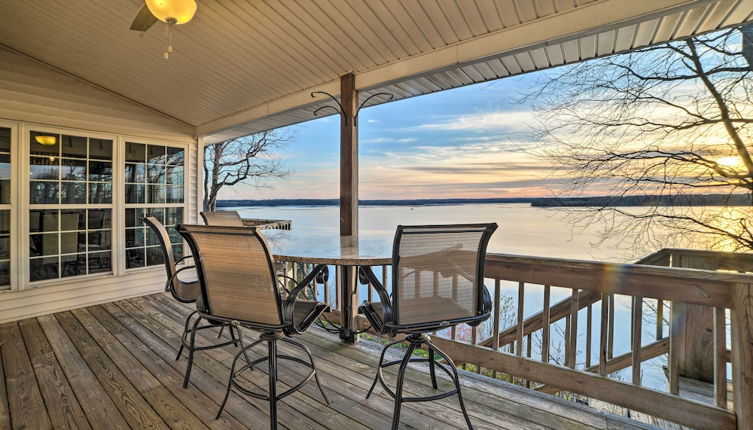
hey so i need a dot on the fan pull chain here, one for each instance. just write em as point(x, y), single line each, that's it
point(169, 29)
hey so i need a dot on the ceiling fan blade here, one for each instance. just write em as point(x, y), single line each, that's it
point(144, 20)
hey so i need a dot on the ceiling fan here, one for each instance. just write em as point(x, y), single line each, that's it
point(171, 12)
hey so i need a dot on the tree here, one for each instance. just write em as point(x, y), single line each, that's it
point(670, 120)
point(246, 159)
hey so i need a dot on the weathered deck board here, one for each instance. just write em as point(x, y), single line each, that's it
point(113, 366)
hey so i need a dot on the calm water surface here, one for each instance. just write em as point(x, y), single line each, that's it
point(523, 230)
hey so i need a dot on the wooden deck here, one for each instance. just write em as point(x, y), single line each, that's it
point(113, 366)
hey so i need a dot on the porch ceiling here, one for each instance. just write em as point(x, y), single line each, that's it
point(248, 65)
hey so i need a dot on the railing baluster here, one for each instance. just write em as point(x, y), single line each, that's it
point(529, 350)
point(659, 319)
point(474, 341)
point(545, 325)
point(589, 327)
point(604, 334)
point(572, 341)
point(495, 307)
point(720, 357)
point(325, 285)
point(636, 330)
point(521, 304)
point(610, 343)
point(675, 336)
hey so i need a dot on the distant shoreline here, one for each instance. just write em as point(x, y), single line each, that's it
point(544, 202)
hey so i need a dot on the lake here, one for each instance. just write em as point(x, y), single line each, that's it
point(522, 230)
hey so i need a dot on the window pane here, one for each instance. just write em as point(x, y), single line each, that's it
point(73, 265)
point(5, 222)
point(177, 251)
point(174, 216)
point(72, 219)
point(100, 262)
point(99, 219)
point(158, 213)
point(4, 139)
point(43, 192)
point(134, 237)
point(99, 241)
point(134, 217)
point(175, 155)
point(135, 258)
point(134, 193)
point(51, 145)
point(4, 192)
point(44, 168)
point(4, 166)
point(156, 194)
point(151, 237)
point(43, 268)
point(154, 256)
point(100, 171)
point(135, 173)
point(175, 194)
point(4, 272)
point(156, 154)
point(175, 237)
point(100, 192)
point(73, 146)
point(135, 152)
point(71, 243)
point(73, 193)
point(4, 247)
point(43, 220)
point(73, 170)
point(43, 244)
point(175, 175)
point(100, 149)
point(156, 174)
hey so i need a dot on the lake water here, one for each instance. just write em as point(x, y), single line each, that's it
point(523, 230)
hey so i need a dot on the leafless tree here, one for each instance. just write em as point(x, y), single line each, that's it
point(248, 159)
point(670, 120)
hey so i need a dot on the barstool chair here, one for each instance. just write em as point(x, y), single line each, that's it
point(238, 285)
point(437, 283)
point(185, 292)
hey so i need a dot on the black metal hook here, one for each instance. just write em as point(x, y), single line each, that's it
point(338, 109)
point(388, 95)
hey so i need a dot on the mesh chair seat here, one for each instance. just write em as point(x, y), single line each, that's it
point(424, 309)
point(305, 312)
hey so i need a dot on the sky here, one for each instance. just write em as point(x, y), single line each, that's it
point(462, 143)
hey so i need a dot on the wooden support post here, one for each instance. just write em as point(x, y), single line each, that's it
point(348, 156)
point(742, 353)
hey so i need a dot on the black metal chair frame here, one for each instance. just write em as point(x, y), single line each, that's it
point(270, 333)
point(416, 333)
point(188, 338)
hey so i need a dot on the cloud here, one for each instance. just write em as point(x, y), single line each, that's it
point(372, 121)
point(497, 120)
point(390, 140)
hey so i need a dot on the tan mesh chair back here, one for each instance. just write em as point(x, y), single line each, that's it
point(224, 218)
point(438, 272)
point(236, 273)
point(182, 291)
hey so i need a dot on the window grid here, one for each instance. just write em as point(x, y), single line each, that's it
point(5, 207)
point(154, 186)
point(70, 206)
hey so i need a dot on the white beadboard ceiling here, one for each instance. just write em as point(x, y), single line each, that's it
point(243, 66)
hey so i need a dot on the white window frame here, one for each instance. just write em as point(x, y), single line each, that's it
point(25, 205)
point(121, 251)
point(13, 206)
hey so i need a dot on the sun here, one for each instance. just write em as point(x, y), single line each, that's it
point(732, 161)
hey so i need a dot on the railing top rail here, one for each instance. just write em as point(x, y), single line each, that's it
point(703, 287)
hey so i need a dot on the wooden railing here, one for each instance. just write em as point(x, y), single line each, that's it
point(546, 347)
point(278, 224)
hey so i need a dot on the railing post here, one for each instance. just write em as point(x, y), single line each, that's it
point(742, 353)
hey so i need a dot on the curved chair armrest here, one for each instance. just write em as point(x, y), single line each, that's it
point(384, 296)
point(169, 284)
point(180, 260)
point(289, 303)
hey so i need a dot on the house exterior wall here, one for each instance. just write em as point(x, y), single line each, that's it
point(34, 97)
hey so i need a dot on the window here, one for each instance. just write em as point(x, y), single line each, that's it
point(5, 202)
point(153, 187)
point(70, 205)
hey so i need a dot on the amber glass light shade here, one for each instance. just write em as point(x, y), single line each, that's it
point(172, 11)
